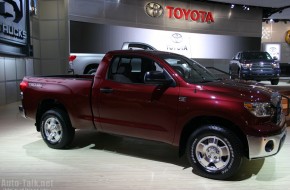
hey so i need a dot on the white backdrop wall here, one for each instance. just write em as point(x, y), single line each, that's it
point(213, 44)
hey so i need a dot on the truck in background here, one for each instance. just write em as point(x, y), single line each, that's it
point(84, 63)
point(87, 63)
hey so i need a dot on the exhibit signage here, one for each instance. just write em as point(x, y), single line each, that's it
point(13, 24)
point(10, 30)
point(274, 50)
point(187, 14)
point(153, 9)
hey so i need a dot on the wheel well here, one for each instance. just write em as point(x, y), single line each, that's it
point(44, 106)
point(205, 120)
point(91, 66)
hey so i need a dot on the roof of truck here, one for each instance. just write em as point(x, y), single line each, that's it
point(145, 52)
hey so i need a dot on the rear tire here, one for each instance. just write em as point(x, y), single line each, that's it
point(92, 71)
point(56, 129)
point(214, 152)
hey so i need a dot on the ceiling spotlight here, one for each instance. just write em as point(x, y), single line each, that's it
point(232, 6)
point(246, 8)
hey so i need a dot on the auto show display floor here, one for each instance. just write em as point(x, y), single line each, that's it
point(101, 161)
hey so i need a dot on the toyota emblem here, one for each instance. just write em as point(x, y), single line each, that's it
point(176, 38)
point(154, 9)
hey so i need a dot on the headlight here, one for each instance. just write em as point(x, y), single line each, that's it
point(246, 65)
point(275, 65)
point(259, 109)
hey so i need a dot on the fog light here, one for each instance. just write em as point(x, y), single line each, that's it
point(269, 146)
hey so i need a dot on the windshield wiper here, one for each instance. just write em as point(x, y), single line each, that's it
point(206, 81)
point(210, 80)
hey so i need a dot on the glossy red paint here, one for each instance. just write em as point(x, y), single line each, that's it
point(148, 111)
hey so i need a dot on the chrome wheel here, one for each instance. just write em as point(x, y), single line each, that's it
point(212, 153)
point(56, 129)
point(53, 130)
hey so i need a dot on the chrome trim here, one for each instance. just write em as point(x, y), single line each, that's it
point(257, 145)
point(21, 95)
point(276, 98)
point(21, 111)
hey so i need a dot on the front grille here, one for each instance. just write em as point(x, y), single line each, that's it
point(262, 66)
point(276, 101)
point(277, 114)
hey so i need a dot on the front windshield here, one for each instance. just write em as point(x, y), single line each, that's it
point(256, 55)
point(189, 70)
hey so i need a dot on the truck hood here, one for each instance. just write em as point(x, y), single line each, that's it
point(259, 60)
point(241, 90)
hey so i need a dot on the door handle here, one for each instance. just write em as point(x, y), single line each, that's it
point(106, 90)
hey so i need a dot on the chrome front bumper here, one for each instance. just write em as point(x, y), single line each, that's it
point(260, 147)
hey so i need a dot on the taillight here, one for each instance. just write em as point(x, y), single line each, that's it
point(23, 85)
point(72, 58)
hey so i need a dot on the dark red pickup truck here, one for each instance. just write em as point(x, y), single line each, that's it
point(163, 97)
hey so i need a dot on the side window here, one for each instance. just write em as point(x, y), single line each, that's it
point(114, 66)
point(120, 69)
point(131, 69)
point(136, 64)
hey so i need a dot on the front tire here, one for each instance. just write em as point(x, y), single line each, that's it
point(274, 81)
point(56, 129)
point(214, 152)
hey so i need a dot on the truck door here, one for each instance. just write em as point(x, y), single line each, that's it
point(128, 106)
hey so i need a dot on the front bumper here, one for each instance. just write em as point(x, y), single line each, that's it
point(260, 147)
point(260, 74)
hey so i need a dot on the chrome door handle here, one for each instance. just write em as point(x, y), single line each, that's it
point(106, 90)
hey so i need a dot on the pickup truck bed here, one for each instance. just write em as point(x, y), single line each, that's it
point(74, 90)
